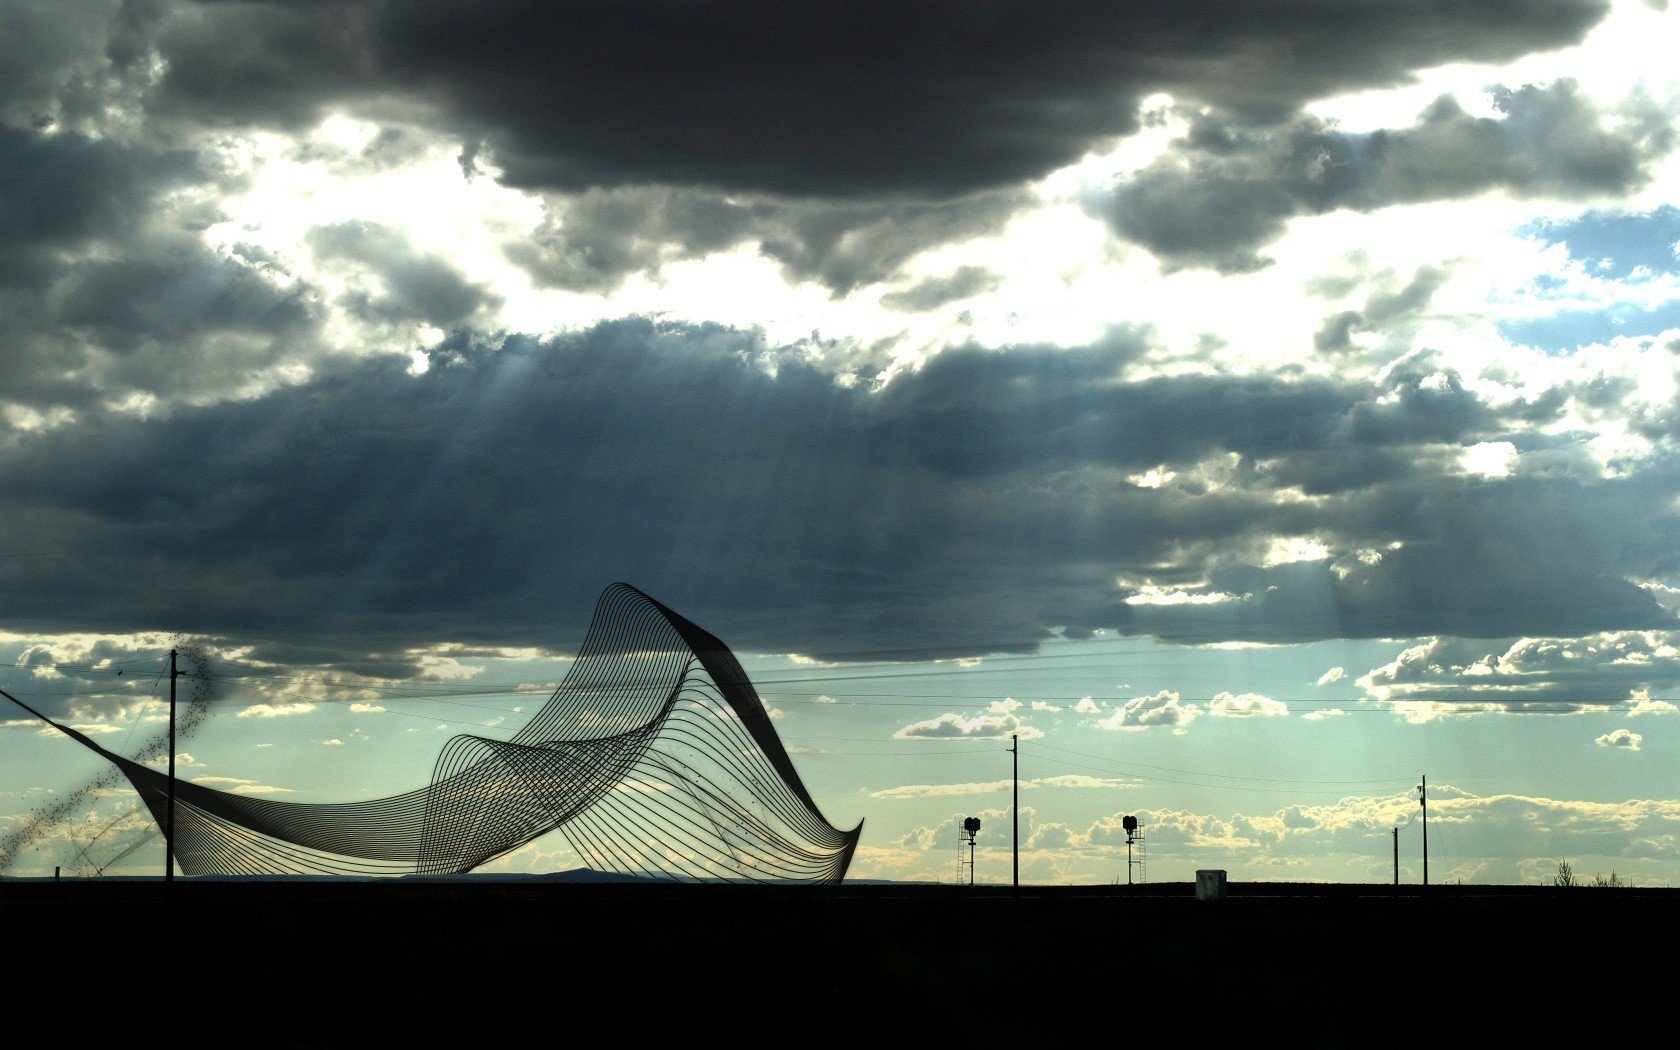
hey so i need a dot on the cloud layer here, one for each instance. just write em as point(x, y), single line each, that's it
point(834, 100)
point(1226, 189)
point(486, 500)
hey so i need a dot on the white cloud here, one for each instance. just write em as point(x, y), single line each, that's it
point(87, 729)
point(1335, 674)
point(238, 786)
point(933, 790)
point(1322, 713)
point(280, 710)
point(1149, 594)
point(363, 707)
point(182, 758)
point(1620, 738)
point(1595, 672)
point(446, 668)
point(1153, 478)
point(1087, 706)
point(1160, 709)
point(1049, 837)
point(952, 725)
point(1287, 550)
point(1073, 781)
point(334, 742)
point(1247, 705)
point(1080, 780)
point(1040, 705)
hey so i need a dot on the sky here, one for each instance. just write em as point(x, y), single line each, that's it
point(1253, 407)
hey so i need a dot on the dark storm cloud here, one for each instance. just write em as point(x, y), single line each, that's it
point(840, 139)
point(979, 501)
point(1477, 561)
point(415, 286)
point(104, 291)
point(168, 318)
point(595, 240)
point(850, 244)
point(173, 298)
point(48, 50)
point(61, 191)
point(107, 288)
point(860, 99)
point(976, 414)
point(1225, 189)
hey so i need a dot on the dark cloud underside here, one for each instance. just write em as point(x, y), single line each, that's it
point(338, 508)
point(861, 98)
point(1225, 190)
point(980, 500)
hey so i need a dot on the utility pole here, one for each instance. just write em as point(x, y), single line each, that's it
point(1423, 800)
point(169, 822)
point(1396, 831)
point(1015, 808)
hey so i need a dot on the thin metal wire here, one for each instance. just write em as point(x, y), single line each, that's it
point(654, 757)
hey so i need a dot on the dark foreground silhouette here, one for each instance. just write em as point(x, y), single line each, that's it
point(491, 960)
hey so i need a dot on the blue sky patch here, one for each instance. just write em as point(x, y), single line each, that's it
point(1613, 243)
point(1568, 329)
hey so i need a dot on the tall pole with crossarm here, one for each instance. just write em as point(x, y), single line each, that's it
point(169, 821)
point(1015, 807)
point(1423, 800)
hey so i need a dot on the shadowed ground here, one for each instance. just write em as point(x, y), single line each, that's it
point(487, 960)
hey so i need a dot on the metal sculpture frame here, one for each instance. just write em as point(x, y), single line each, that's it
point(654, 757)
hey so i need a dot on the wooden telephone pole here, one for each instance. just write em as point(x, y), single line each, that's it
point(1015, 807)
point(169, 821)
point(1423, 800)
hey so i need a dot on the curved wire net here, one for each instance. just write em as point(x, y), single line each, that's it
point(654, 757)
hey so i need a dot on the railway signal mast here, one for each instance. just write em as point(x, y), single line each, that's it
point(1134, 835)
point(971, 828)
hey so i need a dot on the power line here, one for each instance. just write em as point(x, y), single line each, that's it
point(1223, 776)
point(1185, 783)
point(891, 754)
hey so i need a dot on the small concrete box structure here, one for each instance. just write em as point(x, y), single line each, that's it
point(1210, 885)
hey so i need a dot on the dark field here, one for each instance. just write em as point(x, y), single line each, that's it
point(532, 963)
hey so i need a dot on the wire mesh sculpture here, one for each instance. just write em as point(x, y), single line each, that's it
point(654, 757)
